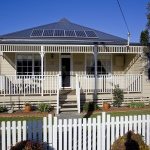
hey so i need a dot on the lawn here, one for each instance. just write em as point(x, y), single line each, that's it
point(127, 113)
point(19, 118)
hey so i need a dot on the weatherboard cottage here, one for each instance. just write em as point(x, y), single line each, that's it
point(66, 64)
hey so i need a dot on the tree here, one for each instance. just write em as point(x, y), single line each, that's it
point(144, 38)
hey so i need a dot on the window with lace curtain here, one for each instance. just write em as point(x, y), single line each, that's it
point(103, 64)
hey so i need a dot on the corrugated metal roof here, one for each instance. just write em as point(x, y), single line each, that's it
point(24, 36)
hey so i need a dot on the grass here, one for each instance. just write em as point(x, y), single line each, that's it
point(131, 113)
point(20, 118)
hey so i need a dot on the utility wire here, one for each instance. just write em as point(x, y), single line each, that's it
point(123, 17)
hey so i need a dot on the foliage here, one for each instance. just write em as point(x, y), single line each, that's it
point(3, 109)
point(130, 141)
point(28, 145)
point(90, 106)
point(43, 107)
point(144, 38)
point(136, 105)
point(118, 96)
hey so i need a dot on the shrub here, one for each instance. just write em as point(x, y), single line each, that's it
point(28, 145)
point(3, 109)
point(130, 141)
point(43, 107)
point(118, 96)
point(136, 105)
point(90, 106)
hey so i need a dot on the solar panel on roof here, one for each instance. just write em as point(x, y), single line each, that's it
point(80, 33)
point(90, 34)
point(48, 33)
point(70, 33)
point(37, 32)
point(59, 33)
point(62, 33)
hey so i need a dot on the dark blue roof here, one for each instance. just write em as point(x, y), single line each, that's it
point(24, 36)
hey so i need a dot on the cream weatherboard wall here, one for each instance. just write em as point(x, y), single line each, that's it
point(51, 64)
point(8, 66)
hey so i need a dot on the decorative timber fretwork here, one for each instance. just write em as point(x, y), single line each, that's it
point(71, 48)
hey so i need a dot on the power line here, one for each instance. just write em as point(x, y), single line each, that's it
point(123, 16)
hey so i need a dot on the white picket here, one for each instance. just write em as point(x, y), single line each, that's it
point(70, 134)
point(55, 134)
point(45, 129)
point(139, 124)
point(75, 134)
point(50, 131)
point(121, 125)
point(8, 132)
point(3, 141)
point(65, 135)
point(14, 133)
point(103, 130)
point(130, 123)
point(99, 132)
point(126, 124)
point(143, 127)
point(19, 131)
point(60, 134)
point(108, 132)
point(80, 134)
point(24, 130)
point(84, 133)
point(135, 124)
point(112, 130)
point(148, 129)
point(117, 127)
point(94, 134)
point(89, 133)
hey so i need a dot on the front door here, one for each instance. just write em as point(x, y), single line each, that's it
point(65, 70)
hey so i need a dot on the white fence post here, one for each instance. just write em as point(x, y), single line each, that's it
point(103, 131)
point(55, 134)
point(3, 138)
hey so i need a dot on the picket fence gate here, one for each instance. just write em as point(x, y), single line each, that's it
point(77, 134)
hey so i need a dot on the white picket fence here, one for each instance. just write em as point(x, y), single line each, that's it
point(78, 134)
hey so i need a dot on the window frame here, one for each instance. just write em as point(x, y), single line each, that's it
point(33, 66)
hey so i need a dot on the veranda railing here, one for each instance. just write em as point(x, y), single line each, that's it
point(130, 83)
point(92, 133)
point(28, 84)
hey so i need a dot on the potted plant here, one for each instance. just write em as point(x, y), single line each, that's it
point(27, 107)
point(106, 106)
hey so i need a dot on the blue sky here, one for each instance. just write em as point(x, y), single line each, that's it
point(103, 15)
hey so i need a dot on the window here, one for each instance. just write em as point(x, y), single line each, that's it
point(28, 64)
point(103, 64)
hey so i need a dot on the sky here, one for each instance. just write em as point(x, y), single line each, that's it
point(103, 15)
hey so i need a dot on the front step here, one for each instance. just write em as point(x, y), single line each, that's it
point(68, 101)
point(68, 109)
